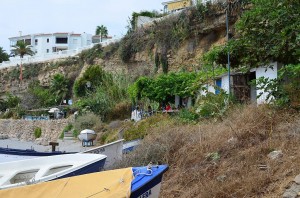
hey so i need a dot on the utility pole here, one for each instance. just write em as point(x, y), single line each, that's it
point(228, 52)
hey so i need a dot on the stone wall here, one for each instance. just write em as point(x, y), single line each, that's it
point(24, 129)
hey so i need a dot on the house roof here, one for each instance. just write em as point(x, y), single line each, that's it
point(168, 2)
point(98, 36)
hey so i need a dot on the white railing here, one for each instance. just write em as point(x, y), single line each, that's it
point(14, 61)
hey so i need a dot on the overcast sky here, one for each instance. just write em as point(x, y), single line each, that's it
point(78, 16)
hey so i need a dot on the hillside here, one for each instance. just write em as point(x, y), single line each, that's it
point(220, 146)
point(228, 157)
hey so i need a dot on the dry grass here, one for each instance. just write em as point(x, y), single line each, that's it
point(204, 163)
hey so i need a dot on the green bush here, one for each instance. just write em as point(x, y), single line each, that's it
point(75, 133)
point(87, 121)
point(212, 105)
point(188, 116)
point(94, 75)
point(37, 132)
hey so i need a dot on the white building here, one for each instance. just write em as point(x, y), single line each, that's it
point(240, 85)
point(53, 42)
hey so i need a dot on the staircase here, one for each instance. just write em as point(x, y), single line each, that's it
point(68, 136)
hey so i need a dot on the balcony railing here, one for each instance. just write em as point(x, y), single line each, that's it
point(14, 61)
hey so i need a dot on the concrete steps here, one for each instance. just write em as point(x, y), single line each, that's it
point(68, 136)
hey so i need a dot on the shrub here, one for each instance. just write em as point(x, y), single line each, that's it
point(188, 116)
point(212, 105)
point(121, 110)
point(87, 121)
point(37, 132)
point(75, 133)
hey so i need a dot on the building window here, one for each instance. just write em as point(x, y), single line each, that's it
point(28, 41)
point(47, 50)
point(47, 40)
point(75, 41)
point(36, 41)
point(61, 40)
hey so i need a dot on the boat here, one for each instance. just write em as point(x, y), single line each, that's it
point(87, 135)
point(112, 150)
point(130, 145)
point(41, 169)
point(30, 152)
point(136, 182)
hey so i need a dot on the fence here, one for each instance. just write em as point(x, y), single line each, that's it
point(14, 61)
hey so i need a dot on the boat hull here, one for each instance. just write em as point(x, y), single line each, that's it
point(87, 136)
point(149, 185)
point(29, 152)
point(138, 182)
point(42, 169)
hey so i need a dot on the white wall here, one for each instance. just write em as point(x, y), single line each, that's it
point(268, 72)
point(225, 85)
point(210, 88)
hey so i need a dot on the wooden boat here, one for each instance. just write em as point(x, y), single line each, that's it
point(137, 182)
point(41, 169)
point(30, 152)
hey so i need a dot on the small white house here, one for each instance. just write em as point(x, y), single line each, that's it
point(240, 85)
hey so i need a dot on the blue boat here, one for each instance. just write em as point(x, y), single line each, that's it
point(30, 152)
point(134, 182)
point(147, 181)
point(130, 146)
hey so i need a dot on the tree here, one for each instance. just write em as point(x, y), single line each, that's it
point(102, 31)
point(270, 32)
point(59, 86)
point(21, 49)
point(3, 55)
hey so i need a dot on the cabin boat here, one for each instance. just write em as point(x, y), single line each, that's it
point(41, 169)
point(136, 182)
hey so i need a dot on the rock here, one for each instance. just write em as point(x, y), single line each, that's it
point(292, 192)
point(221, 178)
point(297, 179)
point(275, 154)
point(232, 140)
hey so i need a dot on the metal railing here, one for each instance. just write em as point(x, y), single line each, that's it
point(15, 61)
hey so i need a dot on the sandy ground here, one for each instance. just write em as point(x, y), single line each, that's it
point(64, 145)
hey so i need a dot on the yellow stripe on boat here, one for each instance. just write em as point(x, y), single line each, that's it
point(108, 184)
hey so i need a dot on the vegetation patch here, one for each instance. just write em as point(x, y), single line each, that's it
point(37, 132)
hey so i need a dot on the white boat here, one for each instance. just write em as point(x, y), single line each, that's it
point(133, 182)
point(87, 135)
point(130, 145)
point(41, 169)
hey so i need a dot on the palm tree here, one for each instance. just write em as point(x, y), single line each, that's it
point(60, 86)
point(3, 55)
point(102, 31)
point(21, 49)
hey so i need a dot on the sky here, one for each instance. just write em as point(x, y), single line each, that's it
point(78, 16)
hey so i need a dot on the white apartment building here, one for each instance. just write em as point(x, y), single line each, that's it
point(53, 42)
